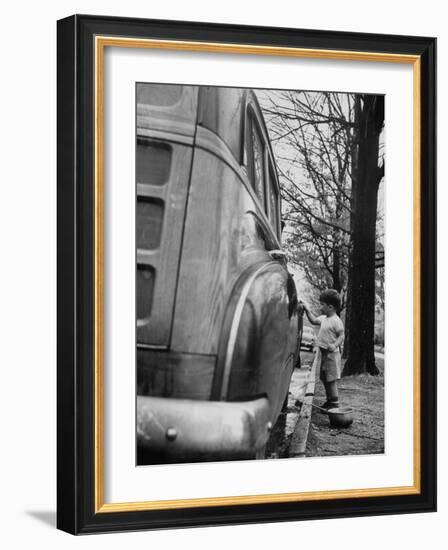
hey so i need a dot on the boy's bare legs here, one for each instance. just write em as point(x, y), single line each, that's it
point(331, 389)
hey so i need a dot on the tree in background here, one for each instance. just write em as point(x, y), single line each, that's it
point(312, 136)
point(368, 171)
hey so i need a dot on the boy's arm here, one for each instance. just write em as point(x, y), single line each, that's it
point(311, 318)
point(339, 340)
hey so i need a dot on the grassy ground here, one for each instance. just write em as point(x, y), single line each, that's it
point(365, 394)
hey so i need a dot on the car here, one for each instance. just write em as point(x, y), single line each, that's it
point(217, 309)
point(308, 340)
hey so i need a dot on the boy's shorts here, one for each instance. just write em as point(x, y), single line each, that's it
point(330, 365)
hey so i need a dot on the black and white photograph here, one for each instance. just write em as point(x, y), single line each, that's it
point(260, 269)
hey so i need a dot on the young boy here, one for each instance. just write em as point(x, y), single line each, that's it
point(329, 340)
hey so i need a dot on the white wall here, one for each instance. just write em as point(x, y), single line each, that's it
point(27, 275)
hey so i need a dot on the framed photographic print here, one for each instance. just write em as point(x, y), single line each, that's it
point(246, 274)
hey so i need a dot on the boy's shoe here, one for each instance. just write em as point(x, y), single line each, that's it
point(329, 405)
point(324, 407)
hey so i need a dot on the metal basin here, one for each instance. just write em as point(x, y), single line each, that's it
point(341, 417)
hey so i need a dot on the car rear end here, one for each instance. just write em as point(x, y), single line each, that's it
point(178, 418)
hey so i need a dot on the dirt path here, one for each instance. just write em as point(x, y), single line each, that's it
point(366, 435)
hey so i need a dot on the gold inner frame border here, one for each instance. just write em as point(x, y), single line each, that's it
point(100, 43)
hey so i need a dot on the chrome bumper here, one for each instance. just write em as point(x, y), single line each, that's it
point(202, 429)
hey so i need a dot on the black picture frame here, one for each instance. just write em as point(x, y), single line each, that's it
point(77, 502)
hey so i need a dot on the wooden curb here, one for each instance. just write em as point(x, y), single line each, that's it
point(300, 435)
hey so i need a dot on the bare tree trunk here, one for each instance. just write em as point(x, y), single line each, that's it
point(348, 313)
point(354, 158)
point(361, 308)
point(336, 269)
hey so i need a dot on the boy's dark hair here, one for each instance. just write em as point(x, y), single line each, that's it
point(331, 298)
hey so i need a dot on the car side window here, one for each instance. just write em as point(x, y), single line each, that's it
point(256, 159)
point(273, 199)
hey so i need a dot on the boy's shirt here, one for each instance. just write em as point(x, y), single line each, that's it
point(330, 329)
